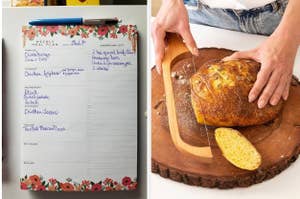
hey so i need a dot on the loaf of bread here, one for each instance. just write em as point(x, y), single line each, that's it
point(237, 149)
point(219, 94)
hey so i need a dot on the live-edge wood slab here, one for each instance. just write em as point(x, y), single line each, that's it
point(278, 141)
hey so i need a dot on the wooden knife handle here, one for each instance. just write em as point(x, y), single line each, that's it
point(174, 48)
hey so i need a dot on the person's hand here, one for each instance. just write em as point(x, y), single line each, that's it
point(172, 17)
point(276, 55)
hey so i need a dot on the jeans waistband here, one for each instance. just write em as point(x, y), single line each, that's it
point(273, 6)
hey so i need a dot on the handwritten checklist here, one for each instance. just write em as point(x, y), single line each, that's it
point(79, 127)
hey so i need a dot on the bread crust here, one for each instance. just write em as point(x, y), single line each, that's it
point(219, 94)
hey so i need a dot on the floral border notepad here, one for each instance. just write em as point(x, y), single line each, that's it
point(79, 126)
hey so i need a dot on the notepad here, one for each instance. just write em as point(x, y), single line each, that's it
point(79, 119)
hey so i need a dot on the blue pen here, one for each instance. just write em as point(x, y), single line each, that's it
point(73, 21)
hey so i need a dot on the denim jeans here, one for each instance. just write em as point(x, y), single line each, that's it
point(262, 20)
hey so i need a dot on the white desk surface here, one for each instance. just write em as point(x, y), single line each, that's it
point(13, 19)
point(284, 185)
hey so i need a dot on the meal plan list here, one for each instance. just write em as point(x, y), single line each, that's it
point(79, 126)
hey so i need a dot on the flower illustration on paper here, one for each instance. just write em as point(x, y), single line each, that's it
point(85, 182)
point(31, 34)
point(52, 180)
point(126, 181)
point(123, 29)
point(96, 187)
point(69, 179)
point(23, 186)
point(37, 183)
point(112, 28)
point(52, 29)
point(108, 188)
point(107, 181)
point(67, 186)
point(102, 30)
point(52, 188)
point(72, 32)
point(84, 35)
point(132, 186)
point(63, 30)
point(78, 187)
point(84, 31)
point(113, 35)
point(91, 29)
point(27, 181)
point(43, 31)
point(35, 180)
point(118, 187)
point(40, 188)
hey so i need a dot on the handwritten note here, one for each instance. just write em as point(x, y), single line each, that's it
point(80, 106)
point(107, 59)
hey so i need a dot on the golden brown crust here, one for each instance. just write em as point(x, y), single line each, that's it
point(219, 94)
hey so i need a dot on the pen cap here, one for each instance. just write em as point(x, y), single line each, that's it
point(100, 21)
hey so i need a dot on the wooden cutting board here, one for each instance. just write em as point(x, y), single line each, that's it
point(278, 141)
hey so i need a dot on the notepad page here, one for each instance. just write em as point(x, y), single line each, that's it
point(79, 129)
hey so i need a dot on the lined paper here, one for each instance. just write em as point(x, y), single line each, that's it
point(80, 107)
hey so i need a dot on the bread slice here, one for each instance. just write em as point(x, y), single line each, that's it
point(237, 149)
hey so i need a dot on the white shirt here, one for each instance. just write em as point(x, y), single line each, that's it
point(236, 4)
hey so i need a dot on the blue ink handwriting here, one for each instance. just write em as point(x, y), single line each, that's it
point(35, 56)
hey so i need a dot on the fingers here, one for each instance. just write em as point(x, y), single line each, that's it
point(158, 35)
point(262, 78)
point(269, 89)
point(287, 88)
point(242, 54)
point(189, 39)
point(279, 91)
